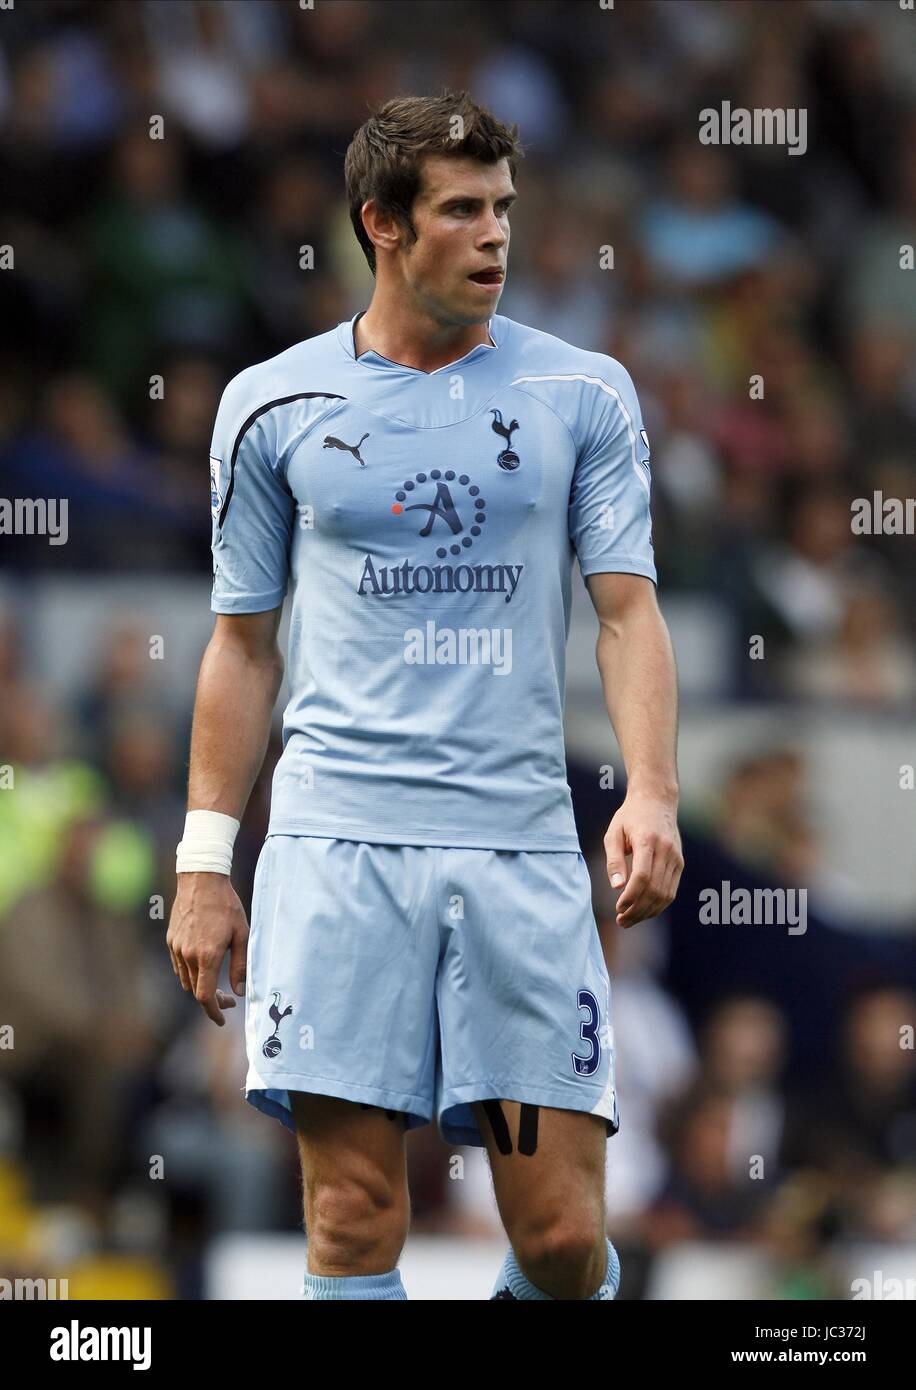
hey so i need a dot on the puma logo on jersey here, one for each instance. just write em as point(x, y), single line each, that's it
point(332, 442)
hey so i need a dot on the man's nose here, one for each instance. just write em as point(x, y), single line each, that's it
point(494, 234)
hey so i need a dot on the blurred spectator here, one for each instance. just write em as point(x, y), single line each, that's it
point(723, 1131)
point(160, 271)
point(875, 281)
point(42, 793)
point(215, 1146)
point(742, 1054)
point(810, 578)
point(118, 510)
point(867, 661)
point(696, 235)
point(121, 680)
point(860, 1122)
point(704, 1198)
point(291, 212)
point(654, 1052)
point(76, 992)
point(762, 818)
point(564, 285)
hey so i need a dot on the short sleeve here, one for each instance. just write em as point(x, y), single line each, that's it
point(251, 505)
point(610, 523)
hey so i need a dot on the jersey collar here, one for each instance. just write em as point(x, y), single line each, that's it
point(371, 358)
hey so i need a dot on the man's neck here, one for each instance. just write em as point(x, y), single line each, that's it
point(414, 341)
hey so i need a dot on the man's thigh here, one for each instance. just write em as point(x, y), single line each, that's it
point(546, 1163)
point(343, 1145)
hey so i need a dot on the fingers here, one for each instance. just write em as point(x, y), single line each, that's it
point(615, 846)
point(207, 919)
point(180, 969)
point(205, 990)
point(675, 869)
point(211, 1007)
point(652, 885)
point(638, 891)
point(237, 962)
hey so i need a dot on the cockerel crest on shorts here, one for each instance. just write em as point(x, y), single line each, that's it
point(273, 1044)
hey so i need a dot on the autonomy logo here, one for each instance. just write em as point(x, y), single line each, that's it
point(442, 516)
point(443, 507)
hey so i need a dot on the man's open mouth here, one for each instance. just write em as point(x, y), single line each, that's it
point(487, 277)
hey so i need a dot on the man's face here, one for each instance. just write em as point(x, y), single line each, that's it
point(461, 218)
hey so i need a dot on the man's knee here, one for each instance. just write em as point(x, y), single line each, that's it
point(564, 1254)
point(564, 1243)
point(353, 1222)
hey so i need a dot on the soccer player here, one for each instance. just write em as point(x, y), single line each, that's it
point(422, 941)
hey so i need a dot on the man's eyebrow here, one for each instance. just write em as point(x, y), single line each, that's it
point(472, 198)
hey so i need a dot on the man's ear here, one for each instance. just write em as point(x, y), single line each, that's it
point(383, 228)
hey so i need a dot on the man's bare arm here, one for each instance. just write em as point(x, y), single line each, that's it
point(237, 687)
point(239, 679)
point(639, 679)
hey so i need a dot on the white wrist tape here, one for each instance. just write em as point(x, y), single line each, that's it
point(206, 846)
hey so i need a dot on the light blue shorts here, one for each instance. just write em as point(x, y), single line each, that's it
point(420, 979)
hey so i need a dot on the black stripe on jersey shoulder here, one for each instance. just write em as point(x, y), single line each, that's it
point(255, 415)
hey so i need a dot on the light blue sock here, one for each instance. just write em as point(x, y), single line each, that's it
point(355, 1286)
point(511, 1277)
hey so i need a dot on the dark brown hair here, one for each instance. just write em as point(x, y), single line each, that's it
point(384, 157)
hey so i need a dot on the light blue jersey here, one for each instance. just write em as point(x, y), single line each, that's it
point(426, 524)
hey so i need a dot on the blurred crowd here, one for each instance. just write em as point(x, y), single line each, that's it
point(113, 1071)
point(147, 271)
point(124, 1134)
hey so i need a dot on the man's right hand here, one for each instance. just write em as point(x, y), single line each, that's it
point(207, 920)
